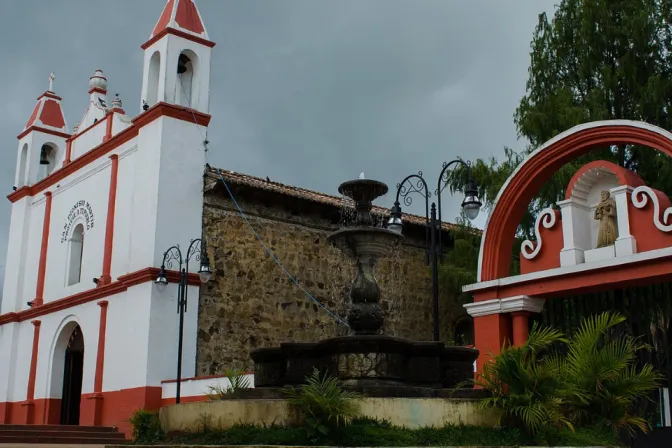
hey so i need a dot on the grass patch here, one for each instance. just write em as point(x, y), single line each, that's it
point(371, 433)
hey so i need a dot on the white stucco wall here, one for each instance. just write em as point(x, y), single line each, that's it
point(85, 141)
point(159, 169)
point(158, 204)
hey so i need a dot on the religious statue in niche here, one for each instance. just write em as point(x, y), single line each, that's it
point(606, 214)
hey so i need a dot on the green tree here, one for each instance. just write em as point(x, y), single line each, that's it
point(595, 60)
point(459, 264)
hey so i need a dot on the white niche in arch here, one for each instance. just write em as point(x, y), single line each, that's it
point(579, 226)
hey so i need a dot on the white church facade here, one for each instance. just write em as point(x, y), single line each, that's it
point(86, 337)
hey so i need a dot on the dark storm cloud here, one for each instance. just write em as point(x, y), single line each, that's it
point(307, 92)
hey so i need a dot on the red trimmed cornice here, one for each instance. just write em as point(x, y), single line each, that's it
point(60, 174)
point(122, 284)
point(178, 33)
point(91, 126)
point(150, 274)
point(531, 175)
point(44, 130)
point(49, 94)
point(157, 111)
point(172, 111)
point(604, 278)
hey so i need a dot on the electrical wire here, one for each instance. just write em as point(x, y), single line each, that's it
point(269, 252)
point(256, 234)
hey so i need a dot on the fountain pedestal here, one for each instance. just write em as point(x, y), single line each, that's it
point(367, 360)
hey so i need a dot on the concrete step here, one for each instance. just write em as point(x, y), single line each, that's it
point(60, 441)
point(14, 435)
point(58, 428)
point(61, 434)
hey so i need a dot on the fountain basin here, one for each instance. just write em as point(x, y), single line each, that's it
point(366, 361)
point(364, 241)
point(363, 190)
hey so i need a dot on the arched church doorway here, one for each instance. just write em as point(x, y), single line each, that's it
point(73, 372)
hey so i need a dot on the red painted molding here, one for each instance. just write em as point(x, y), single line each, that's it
point(42, 266)
point(68, 151)
point(98, 89)
point(60, 174)
point(582, 282)
point(49, 94)
point(150, 274)
point(109, 224)
point(534, 172)
point(169, 110)
point(122, 284)
point(100, 354)
point(116, 408)
point(43, 130)
point(30, 394)
point(108, 126)
point(178, 33)
point(155, 112)
point(87, 129)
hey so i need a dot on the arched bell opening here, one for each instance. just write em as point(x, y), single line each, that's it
point(187, 75)
point(48, 153)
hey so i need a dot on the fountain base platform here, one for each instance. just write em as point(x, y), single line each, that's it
point(368, 363)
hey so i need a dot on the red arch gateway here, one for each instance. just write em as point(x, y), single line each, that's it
point(528, 178)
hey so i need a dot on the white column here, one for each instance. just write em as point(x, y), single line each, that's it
point(625, 243)
point(575, 232)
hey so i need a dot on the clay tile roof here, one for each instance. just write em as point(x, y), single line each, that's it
point(302, 193)
point(181, 15)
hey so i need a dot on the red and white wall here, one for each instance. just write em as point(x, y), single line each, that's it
point(117, 193)
point(563, 259)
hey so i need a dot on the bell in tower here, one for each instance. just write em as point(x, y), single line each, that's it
point(44, 155)
point(182, 63)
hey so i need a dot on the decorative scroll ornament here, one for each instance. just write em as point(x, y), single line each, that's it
point(639, 200)
point(547, 218)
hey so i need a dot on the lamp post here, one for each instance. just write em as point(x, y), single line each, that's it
point(197, 250)
point(415, 183)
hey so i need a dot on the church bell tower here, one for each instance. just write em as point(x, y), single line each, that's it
point(177, 59)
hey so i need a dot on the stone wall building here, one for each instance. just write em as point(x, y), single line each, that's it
point(251, 303)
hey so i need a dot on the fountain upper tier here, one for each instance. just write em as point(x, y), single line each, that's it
point(363, 239)
point(363, 190)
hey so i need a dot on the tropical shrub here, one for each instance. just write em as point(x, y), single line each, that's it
point(602, 375)
point(536, 388)
point(525, 383)
point(146, 426)
point(238, 380)
point(322, 404)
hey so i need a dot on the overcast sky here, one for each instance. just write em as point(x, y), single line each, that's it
point(307, 92)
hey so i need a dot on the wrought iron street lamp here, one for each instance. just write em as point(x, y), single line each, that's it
point(196, 250)
point(471, 205)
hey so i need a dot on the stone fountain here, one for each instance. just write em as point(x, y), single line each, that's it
point(367, 361)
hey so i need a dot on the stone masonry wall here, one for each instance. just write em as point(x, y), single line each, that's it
point(251, 303)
